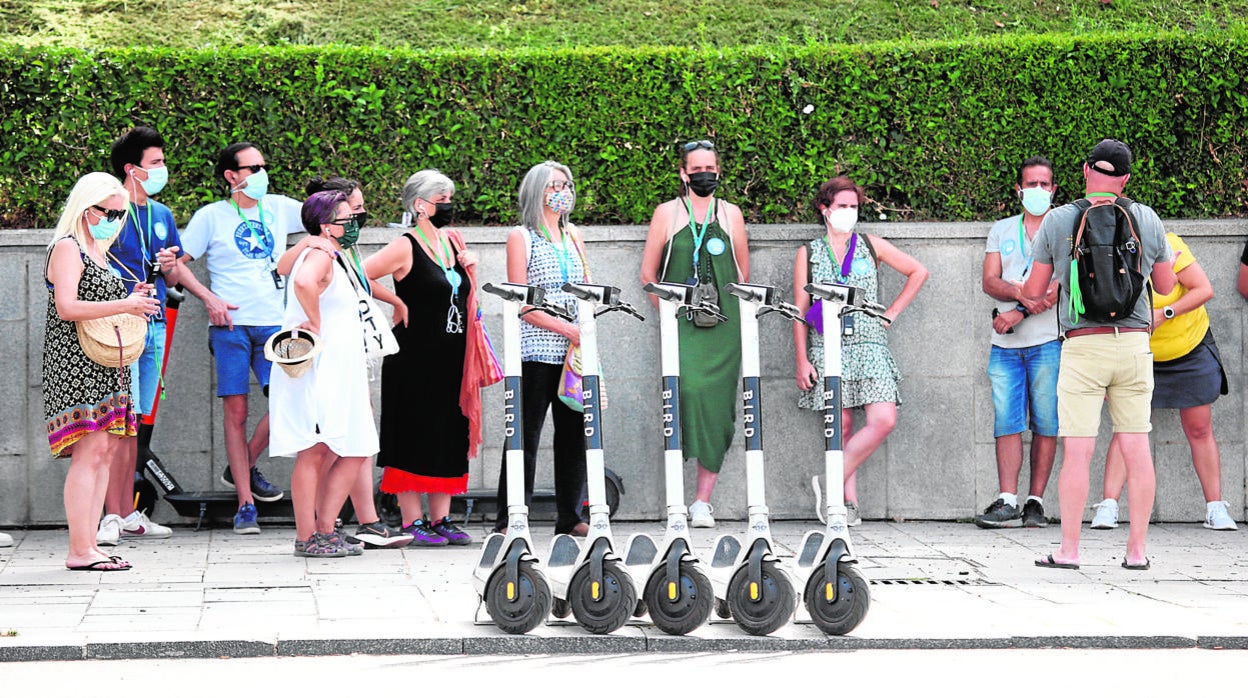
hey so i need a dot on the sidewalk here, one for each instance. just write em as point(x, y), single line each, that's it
point(934, 585)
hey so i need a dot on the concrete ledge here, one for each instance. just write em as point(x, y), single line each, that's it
point(309, 648)
point(180, 649)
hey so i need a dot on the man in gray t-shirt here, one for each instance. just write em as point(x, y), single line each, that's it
point(1025, 355)
point(1102, 362)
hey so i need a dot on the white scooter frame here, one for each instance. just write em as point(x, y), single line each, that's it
point(508, 579)
point(592, 582)
point(760, 590)
point(838, 606)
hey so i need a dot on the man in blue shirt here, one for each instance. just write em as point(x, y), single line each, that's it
point(150, 235)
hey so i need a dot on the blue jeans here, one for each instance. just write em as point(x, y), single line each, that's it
point(1025, 381)
point(145, 373)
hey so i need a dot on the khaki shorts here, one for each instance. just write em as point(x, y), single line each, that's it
point(1095, 366)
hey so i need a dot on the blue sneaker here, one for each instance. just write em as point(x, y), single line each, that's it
point(261, 488)
point(453, 534)
point(245, 520)
point(423, 535)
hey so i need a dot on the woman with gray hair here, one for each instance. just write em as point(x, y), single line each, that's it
point(546, 250)
point(430, 402)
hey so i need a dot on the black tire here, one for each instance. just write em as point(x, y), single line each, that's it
point(612, 611)
point(613, 499)
point(853, 598)
point(722, 610)
point(530, 607)
point(561, 609)
point(687, 613)
point(773, 607)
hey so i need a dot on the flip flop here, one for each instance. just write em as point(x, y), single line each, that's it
point(1140, 567)
point(99, 566)
point(1049, 562)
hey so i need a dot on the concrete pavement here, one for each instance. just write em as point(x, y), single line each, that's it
point(933, 585)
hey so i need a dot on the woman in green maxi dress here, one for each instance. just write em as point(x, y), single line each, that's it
point(700, 239)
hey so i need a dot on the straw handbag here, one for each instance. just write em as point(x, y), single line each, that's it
point(115, 341)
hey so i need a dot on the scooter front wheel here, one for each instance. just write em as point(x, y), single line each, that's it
point(852, 597)
point(615, 603)
point(682, 605)
point(761, 609)
point(521, 608)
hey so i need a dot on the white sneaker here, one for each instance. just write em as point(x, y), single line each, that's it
point(6, 541)
point(1106, 514)
point(110, 530)
point(852, 517)
point(1218, 518)
point(700, 515)
point(137, 525)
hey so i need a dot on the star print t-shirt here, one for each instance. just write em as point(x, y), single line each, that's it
point(242, 254)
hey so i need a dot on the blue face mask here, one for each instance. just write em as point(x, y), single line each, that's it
point(105, 229)
point(257, 185)
point(1036, 200)
point(157, 178)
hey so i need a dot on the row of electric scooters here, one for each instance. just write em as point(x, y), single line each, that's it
point(747, 581)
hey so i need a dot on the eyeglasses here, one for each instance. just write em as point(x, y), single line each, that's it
point(253, 168)
point(561, 184)
point(694, 145)
point(342, 221)
point(110, 214)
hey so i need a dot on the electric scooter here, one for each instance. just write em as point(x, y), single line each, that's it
point(508, 579)
point(591, 582)
point(678, 594)
point(837, 594)
point(760, 591)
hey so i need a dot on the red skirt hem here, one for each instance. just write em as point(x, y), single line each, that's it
point(394, 481)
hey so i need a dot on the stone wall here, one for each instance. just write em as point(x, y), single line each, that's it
point(938, 464)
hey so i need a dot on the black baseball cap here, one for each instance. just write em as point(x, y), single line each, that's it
point(1110, 157)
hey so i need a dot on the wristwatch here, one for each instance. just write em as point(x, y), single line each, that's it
point(1168, 311)
point(1023, 309)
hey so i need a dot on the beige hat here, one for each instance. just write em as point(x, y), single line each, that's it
point(292, 350)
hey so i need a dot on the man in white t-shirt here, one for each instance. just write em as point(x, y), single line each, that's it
point(241, 238)
point(1026, 354)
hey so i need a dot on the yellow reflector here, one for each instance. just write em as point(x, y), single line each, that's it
point(511, 591)
point(828, 592)
point(671, 591)
point(593, 590)
point(754, 591)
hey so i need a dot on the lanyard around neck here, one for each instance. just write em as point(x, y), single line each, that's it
point(562, 254)
point(1022, 238)
point(698, 237)
point(247, 221)
point(846, 264)
point(447, 267)
point(144, 238)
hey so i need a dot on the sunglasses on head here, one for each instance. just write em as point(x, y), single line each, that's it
point(253, 168)
point(110, 214)
point(694, 145)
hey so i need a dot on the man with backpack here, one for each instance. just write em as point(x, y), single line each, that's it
point(1103, 247)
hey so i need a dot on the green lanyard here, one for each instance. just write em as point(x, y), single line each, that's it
point(143, 243)
point(448, 268)
point(358, 268)
point(1022, 246)
point(1091, 194)
point(693, 229)
point(562, 254)
point(248, 222)
point(847, 264)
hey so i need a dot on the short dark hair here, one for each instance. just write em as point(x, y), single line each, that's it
point(334, 183)
point(129, 147)
point(228, 159)
point(1034, 161)
point(834, 186)
point(319, 209)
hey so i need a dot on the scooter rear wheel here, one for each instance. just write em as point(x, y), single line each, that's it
point(610, 612)
point(528, 608)
point(687, 613)
point(774, 603)
point(853, 597)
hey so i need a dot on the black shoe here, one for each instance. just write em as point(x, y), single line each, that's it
point(999, 515)
point(261, 489)
point(1033, 515)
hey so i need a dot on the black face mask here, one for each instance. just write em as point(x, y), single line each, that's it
point(703, 183)
point(360, 218)
point(442, 215)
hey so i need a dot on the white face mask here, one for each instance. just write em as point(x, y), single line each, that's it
point(1036, 200)
point(842, 219)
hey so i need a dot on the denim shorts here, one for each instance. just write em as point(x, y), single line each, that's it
point(1024, 381)
point(236, 350)
point(145, 373)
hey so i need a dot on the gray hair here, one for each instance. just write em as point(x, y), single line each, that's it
point(532, 194)
point(425, 185)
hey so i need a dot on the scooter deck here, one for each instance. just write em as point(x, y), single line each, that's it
point(210, 505)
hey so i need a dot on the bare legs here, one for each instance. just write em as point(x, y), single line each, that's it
point(318, 471)
point(439, 506)
point(706, 484)
point(1198, 427)
point(881, 419)
point(1072, 488)
point(119, 498)
point(86, 484)
point(1010, 462)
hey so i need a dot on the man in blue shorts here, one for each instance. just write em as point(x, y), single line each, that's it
point(241, 238)
point(150, 235)
point(1025, 354)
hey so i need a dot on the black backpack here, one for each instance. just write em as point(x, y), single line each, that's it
point(1106, 268)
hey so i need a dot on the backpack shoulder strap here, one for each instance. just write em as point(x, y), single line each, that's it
point(810, 262)
point(875, 259)
point(1081, 218)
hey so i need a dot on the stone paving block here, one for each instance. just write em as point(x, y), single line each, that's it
point(40, 653)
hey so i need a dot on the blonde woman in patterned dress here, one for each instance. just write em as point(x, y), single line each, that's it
point(870, 375)
point(87, 405)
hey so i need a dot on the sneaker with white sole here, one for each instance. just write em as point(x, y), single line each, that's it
point(1106, 515)
point(1218, 518)
point(6, 541)
point(852, 517)
point(137, 525)
point(109, 532)
point(379, 535)
point(700, 515)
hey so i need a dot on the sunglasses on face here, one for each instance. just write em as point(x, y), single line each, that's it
point(254, 168)
point(560, 185)
point(110, 214)
point(694, 145)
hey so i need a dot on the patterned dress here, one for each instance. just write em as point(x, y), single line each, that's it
point(869, 374)
point(79, 395)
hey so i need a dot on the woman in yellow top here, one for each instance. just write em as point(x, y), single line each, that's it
point(1187, 375)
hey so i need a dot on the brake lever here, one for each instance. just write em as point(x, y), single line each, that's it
point(554, 310)
point(623, 307)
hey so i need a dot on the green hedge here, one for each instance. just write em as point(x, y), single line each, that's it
point(934, 130)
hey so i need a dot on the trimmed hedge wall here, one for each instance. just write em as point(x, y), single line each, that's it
point(934, 130)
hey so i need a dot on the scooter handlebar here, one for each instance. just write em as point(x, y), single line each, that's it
point(663, 293)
